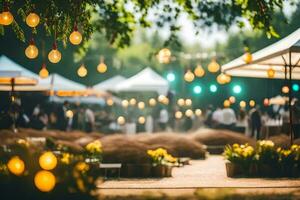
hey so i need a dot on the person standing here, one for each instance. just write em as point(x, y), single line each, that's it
point(89, 120)
point(255, 122)
point(163, 119)
point(228, 118)
point(62, 120)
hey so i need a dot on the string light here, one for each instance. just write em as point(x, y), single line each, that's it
point(32, 20)
point(226, 103)
point(54, 55)
point(180, 102)
point(189, 76)
point(252, 103)
point(16, 166)
point(110, 102)
point(6, 18)
point(44, 73)
point(132, 101)
point(232, 99)
point(189, 113)
point(213, 66)
point(243, 104)
point(102, 68)
point(266, 102)
point(141, 120)
point(141, 105)
point(271, 73)
point(152, 102)
point(48, 161)
point(69, 114)
point(44, 181)
point(198, 112)
point(75, 37)
point(222, 79)
point(188, 102)
point(121, 120)
point(125, 103)
point(31, 51)
point(285, 89)
point(247, 57)
point(199, 71)
point(82, 71)
point(178, 115)
point(164, 56)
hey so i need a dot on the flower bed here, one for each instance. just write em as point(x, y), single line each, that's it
point(264, 160)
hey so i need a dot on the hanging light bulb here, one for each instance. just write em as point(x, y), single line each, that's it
point(189, 113)
point(180, 102)
point(82, 71)
point(178, 115)
point(164, 55)
point(252, 103)
point(141, 120)
point(152, 102)
point(247, 57)
point(44, 72)
point(213, 66)
point(188, 102)
point(32, 19)
point(75, 37)
point(228, 78)
point(125, 103)
point(222, 79)
point(243, 104)
point(271, 72)
point(198, 112)
point(54, 55)
point(110, 102)
point(266, 102)
point(102, 68)
point(141, 105)
point(199, 71)
point(285, 89)
point(132, 101)
point(121, 120)
point(6, 18)
point(226, 103)
point(31, 51)
point(232, 100)
point(189, 76)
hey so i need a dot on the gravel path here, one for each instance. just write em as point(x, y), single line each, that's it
point(209, 173)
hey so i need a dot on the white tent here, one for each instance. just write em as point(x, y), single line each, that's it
point(109, 84)
point(145, 80)
point(285, 52)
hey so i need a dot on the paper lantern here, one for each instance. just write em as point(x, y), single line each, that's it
point(189, 76)
point(141, 105)
point(82, 71)
point(247, 57)
point(31, 51)
point(285, 89)
point(132, 101)
point(226, 103)
point(189, 113)
point(164, 55)
point(44, 181)
point(213, 66)
point(16, 166)
point(180, 102)
point(198, 112)
point(178, 115)
point(54, 55)
point(188, 102)
point(48, 161)
point(32, 19)
point(121, 120)
point(141, 120)
point(152, 102)
point(6, 18)
point(125, 103)
point(199, 71)
point(271, 73)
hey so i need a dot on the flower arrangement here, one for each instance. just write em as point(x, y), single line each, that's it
point(94, 151)
point(264, 160)
point(160, 156)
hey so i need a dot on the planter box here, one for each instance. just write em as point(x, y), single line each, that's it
point(233, 170)
point(136, 170)
point(158, 171)
point(168, 171)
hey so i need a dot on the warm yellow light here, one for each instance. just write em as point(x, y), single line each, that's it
point(199, 71)
point(213, 66)
point(178, 115)
point(152, 102)
point(54, 55)
point(32, 20)
point(165, 101)
point(232, 100)
point(110, 102)
point(75, 37)
point(48, 161)
point(141, 120)
point(252, 103)
point(198, 112)
point(285, 89)
point(132, 101)
point(271, 73)
point(266, 102)
point(82, 71)
point(141, 105)
point(223, 79)
point(226, 103)
point(102, 68)
point(189, 113)
point(125, 103)
point(31, 51)
point(16, 166)
point(44, 181)
point(180, 102)
point(161, 98)
point(189, 76)
point(188, 102)
point(228, 78)
point(247, 57)
point(121, 120)
point(6, 18)
point(164, 56)
point(44, 73)
point(69, 114)
point(243, 104)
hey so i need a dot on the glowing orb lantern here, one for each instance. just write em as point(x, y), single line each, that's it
point(213, 66)
point(16, 166)
point(198, 112)
point(199, 71)
point(54, 55)
point(32, 20)
point(285, 89)
point(164, 55)
point(44, 181)
point(226, 103)
point(141, 120)
point(152, 102)
point(178, 115)
point(82, 71)
point(31, 51)
point(121, 120)
point(44, 73)
point(6, 18)
point(247, 57)
point(243, 104)
point(189, 76)
point(180, 102)
point(271, 73)
point(48, 161)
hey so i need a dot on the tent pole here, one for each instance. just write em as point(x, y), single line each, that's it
point(290, 100)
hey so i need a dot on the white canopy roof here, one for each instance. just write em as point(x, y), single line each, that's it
point(275, 56)
point(145, 80)
point(109, 84)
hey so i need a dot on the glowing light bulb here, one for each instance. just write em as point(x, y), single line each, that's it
point(141, 105)
point(32, 20)
point(188, 102)
point(232, 99)
point(54, 55)
point(125, 103)
point(164, 56)
point(247, 57)
point(48, 161)
point(141, 120)
point(189, 76)
point(6, 18)
point(178, 115)
point(110, 102)
point(44, 73)
point(226, 103)
point(199, 71)
point(121, 120)
point(252, 103)
point(285, 89)
point(189, 113)
point(102, 68)
point(16, 166)
point(213, 66)
point(69, 114)
point(271, 73)
point(75, 37)
point(198, 112)
point(152, 102)
point(44, 181)
point(180, 102)
point(82, 71)
point(31, 51)
point(132, 101)
point(243, 104)
point(223, 79)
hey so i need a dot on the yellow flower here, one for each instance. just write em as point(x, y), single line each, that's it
point(235, 145)
point(94, 147)
point(82, 167)
point(23, 142)
point(65, 158)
